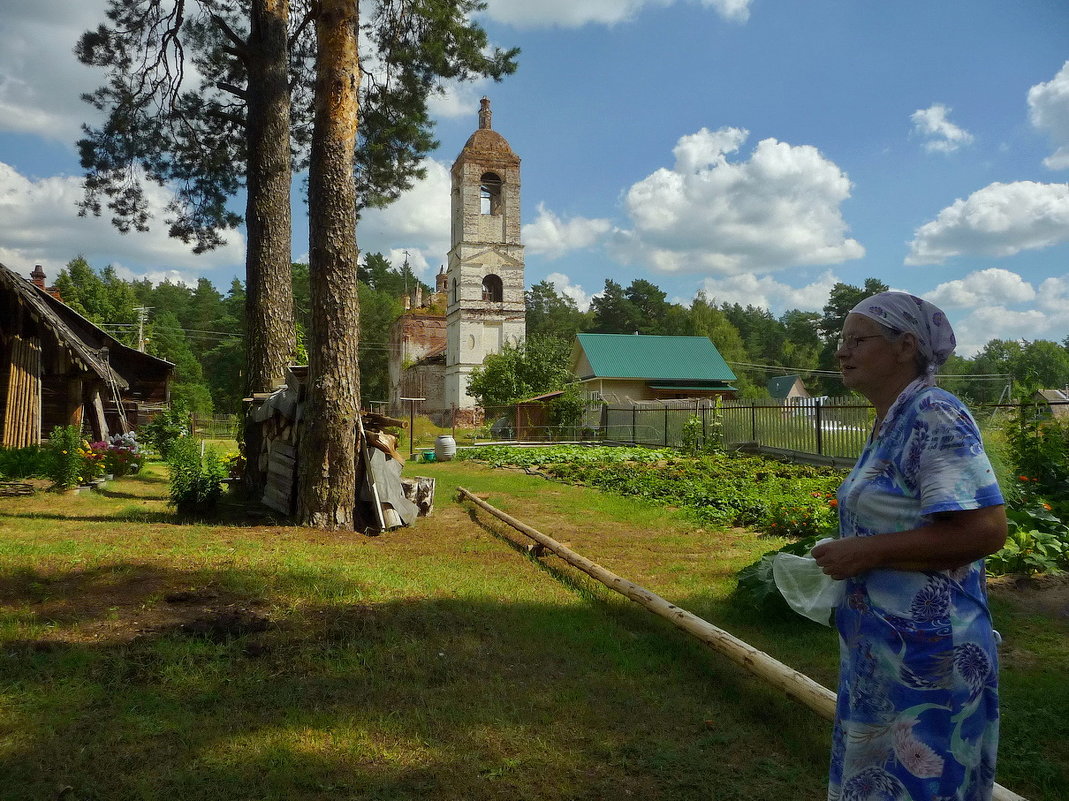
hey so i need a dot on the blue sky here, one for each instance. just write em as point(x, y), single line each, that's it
point(760, 150)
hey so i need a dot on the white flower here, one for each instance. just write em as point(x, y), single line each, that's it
point(915, 756)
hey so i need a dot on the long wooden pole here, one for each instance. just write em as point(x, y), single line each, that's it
point(796, 685)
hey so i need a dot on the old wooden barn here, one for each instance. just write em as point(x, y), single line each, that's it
point(57, 368)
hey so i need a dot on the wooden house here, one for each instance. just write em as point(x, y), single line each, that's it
point(57, 368)
point(620, 367)
point(787, 389)
point(1056, 401)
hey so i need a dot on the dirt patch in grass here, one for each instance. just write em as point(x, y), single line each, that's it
point(1044, 594)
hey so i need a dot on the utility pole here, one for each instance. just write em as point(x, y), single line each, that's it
point(142, 315)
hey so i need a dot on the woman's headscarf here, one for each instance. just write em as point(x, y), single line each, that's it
point(912, 315)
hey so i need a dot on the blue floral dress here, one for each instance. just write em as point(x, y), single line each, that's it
point(917, 711)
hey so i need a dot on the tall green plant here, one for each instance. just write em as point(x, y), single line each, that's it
point(64, 444)
point(197, 473)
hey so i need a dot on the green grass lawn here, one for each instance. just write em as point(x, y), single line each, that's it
point(143, 658)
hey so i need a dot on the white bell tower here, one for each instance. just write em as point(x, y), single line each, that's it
point(484, 280)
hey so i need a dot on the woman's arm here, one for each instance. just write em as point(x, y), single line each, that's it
point(951, 540)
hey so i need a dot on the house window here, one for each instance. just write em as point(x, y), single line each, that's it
point(490, 193)
point(456, 293)
point(492, 289)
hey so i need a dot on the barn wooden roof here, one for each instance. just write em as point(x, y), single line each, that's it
point(70, 329)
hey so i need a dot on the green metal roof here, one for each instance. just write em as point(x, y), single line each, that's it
point(691, 386)
point(653, 358)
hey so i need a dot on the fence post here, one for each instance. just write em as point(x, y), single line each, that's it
point(634, 425)
point(820, 428)
point(753, 420)
point(666, 425)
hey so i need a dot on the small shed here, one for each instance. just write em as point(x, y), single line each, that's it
point(1056, 400)
point(633, 367)
point(57, 368)
point(532, 416)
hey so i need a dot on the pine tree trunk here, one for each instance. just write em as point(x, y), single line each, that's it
point(327, 479)
point(269, 294)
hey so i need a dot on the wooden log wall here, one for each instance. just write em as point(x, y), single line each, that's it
point(22, 413)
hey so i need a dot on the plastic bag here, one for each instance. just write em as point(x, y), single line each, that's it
point(805, 587)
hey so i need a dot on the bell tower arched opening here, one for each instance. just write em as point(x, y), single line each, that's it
point(493, 289)
point(490, 194)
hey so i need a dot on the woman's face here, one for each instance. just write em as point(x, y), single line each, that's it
point(873, 365)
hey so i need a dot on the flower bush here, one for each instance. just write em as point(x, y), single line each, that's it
point(800, 517)
point(123, 455)
point(93, 454)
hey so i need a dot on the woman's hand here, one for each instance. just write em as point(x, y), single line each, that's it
point(844, 558)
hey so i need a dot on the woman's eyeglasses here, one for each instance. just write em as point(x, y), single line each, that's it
point(852, 342)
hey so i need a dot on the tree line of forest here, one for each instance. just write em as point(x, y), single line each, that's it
point(201, 330)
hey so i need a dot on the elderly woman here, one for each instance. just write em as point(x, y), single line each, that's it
point(917, 713)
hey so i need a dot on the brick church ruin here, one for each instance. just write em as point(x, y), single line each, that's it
point(478, 303)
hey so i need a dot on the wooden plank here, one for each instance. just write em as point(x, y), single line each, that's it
point(281, 477)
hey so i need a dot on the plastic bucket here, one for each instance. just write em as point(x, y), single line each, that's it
point(445, 448)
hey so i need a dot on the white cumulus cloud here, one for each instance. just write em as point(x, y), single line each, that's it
point(768, 293)
point(997, 322)
point(39, 224)
point(982, 288)
point(1048, 109)
point(553, 237)
point(998, 220)
point(564, 286)
point(940, 134)
point(417, 222)
point(778, 209)
point(570, 14)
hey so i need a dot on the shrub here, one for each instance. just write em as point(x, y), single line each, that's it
point(33, 461)
point(197, 473)
point(165, 428)
point(1030, 552)
point(65, 461)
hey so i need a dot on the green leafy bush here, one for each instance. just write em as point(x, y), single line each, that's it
point(197, 473)
point(33, 461)
point(161, 432)
point(65, 459)
point(1030, 552)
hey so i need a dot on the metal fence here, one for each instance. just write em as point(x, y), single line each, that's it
point(830, 428)
point(214, 426)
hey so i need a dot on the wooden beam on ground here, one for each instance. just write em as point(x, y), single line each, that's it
point(797, 686)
